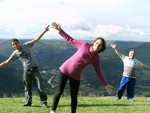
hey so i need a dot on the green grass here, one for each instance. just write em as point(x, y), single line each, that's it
point(85, 105)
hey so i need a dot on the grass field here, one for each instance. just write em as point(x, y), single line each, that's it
point(85, 105)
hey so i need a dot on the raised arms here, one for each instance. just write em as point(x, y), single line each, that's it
point(67, 37)
point(40, 36)
point(4, 63)
point(116, 50)
point(120, 55)
point(56, 26)
point(145, 66)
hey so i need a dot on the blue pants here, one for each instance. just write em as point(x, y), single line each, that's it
point(128, 83)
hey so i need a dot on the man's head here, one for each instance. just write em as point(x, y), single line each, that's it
point(131, 54)
point(15, 43)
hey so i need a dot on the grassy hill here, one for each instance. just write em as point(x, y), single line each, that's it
point(85, 105)
point(50, 54)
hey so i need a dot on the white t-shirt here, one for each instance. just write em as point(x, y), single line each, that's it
point(130, 66)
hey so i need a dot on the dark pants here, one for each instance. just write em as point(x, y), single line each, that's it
point(74, 87)
point(130, 84)
point(28, 77)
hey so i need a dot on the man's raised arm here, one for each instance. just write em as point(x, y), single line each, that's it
point(40, 36)
point(116, 50)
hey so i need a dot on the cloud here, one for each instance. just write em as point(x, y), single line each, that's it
point(139, 34)
point(87, 31)
point(7, 30)
point(20, 31)
point(82, 19)
point(106, 30)
point(81, 25)
point(131, 34)
point(26, 12)
point(111, 32)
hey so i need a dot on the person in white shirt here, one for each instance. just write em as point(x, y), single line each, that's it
point(129, 76)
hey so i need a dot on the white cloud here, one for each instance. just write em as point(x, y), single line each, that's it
point(112, 32)
point(82, 34)
point(106, 30)
point(20, 31)
point(132, 34)
point(26, 12)
point(7, 30)
point(83, 19)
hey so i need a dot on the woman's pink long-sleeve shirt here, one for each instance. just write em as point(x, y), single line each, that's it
point(83, 57)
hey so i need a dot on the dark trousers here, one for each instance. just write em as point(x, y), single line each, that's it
point(128, 83)
point(28, 77)
point(74, 87)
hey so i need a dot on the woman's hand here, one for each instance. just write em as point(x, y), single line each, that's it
point(108, 88)
point(56, 26)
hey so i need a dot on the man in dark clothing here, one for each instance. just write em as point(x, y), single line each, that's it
point(30, 66)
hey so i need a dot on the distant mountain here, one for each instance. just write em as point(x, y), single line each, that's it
point(2, 40)
point(126, 44)
point(50, 54)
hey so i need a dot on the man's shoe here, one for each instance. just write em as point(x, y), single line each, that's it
point(131, 100)
point(27, 104)
point(52, 112)
point(44, 106)
point(118, 98)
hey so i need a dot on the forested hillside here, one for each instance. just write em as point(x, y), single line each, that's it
point(50, 54)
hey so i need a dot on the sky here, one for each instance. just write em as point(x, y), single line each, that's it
point(125, 20)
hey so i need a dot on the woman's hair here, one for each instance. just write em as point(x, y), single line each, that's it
point(104, 46)
point(14, 39)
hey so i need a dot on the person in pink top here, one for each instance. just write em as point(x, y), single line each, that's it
point(71, 69)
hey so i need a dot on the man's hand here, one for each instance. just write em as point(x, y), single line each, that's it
point(113, 45)
point(47, 28)
point(40, 36)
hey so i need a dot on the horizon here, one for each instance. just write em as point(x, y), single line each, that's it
point(82, 40)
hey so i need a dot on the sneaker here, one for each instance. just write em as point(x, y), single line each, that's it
point(118, 98)
point(131, 100)
point(52, 112)
point(27, 104)
point(44, 106)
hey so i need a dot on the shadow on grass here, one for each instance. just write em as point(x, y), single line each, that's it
point(38, 106)
point(142, 100)
point(98, 105)
point(95, 105)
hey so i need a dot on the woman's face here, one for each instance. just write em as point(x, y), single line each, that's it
point(97, 45)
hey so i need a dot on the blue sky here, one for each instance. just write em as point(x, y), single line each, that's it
point(82, 19)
